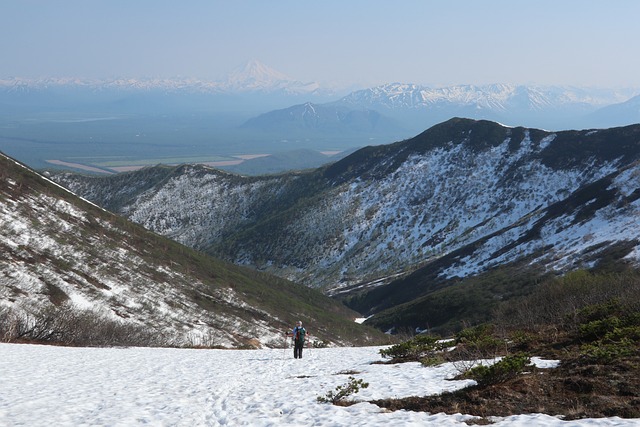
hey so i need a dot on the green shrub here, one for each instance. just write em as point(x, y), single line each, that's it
point(522, 339)
point(507, 368)
point(631, 333)
point(633, 319)
point(343, 391)
point(479, 343)
point(474, 334)
point(418, 347)
point(607, 352)
point(434, 360)
point(609, 331)
point(616, 343)
point(599, 311)
point(487, 346)
point(597, 329)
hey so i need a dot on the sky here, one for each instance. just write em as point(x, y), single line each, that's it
point(355, 42)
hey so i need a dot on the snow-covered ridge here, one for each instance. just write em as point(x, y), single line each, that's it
point(494, 97)
point(405, 206)
point(23, 84)
point(253, 77)
point(219, 199)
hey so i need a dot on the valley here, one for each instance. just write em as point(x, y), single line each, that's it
point(375, 197)
point(387, 228)
point(75, 274)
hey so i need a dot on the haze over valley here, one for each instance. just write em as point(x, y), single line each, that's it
point(107, 126)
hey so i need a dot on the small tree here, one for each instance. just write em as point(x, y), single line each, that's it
point(343, 391)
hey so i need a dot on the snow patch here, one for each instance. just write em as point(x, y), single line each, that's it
point(66, 386)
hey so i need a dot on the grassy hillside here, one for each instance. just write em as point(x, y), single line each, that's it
point(61, 250)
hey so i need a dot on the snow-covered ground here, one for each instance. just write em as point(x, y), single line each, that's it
point(58, 386)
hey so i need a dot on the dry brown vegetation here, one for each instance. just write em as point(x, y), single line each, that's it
point(65, 326)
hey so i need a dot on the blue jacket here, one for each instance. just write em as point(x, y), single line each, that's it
point(303, 333)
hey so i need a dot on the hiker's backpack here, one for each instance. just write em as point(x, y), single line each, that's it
point(300, 333)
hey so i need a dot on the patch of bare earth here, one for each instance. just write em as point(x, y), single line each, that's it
point(573, 390)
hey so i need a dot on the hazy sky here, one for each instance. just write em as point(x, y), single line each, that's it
point(363, 42)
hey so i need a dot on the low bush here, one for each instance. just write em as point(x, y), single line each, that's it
point(474, 333)
point(415, 349)
point(434, 360)
point(507, 368)
point(478, 342)
point(521, 339)
point(598, 329)
point(607, 352)
point(608, 332)
point(575, 298)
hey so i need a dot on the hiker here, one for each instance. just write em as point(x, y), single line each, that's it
point(298, 334)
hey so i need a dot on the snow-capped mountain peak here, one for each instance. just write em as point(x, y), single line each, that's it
point(256, 71)
point(256, 76)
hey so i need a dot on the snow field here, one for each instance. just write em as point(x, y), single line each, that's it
point(61, 386)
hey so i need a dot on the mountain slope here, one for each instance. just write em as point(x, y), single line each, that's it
point(61, 252)
point(618, 114)
point(461, 196)
point(400, 110)
point(323, 119)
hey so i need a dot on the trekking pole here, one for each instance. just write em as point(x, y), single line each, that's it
point(284, 347)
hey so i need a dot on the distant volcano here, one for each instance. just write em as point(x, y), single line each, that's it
point(256, 76)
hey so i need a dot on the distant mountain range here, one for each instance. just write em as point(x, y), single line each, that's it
point(390, 224)
point(258, 110)
point(387, 108)
point(495, 97)
point(253, 77)
point(415, 107)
